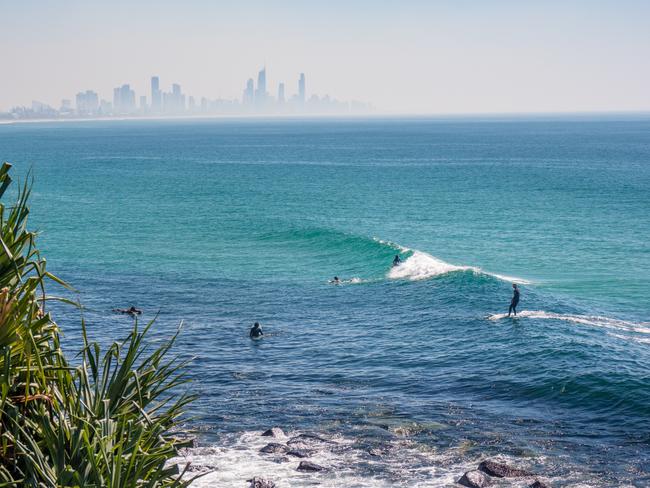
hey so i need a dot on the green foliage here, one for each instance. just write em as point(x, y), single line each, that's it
point(105, 420)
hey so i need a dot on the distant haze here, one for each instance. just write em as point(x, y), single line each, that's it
point(459, 56)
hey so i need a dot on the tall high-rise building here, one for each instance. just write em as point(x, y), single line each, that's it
point(261, 81)
point(260, 94)
point(281, 93)
point(116, 100)
point(87, 102)
point(143, 103)
point(249, 92)
point(124, 100)
point(156, 95)
point(302, 93)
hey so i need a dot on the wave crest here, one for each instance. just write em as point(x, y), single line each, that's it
point(422, 266)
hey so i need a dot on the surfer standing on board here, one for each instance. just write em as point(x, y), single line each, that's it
point(397, 261)
point(514, 301)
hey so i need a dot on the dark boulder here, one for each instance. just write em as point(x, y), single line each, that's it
point(260, 483)
point(300, 453)
point(474, 479)
point(539, 484)
point(500, 470)
point(274, 448)
point(309, 439)
point(274, 432)
point(309, 467)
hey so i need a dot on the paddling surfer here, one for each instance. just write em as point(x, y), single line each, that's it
point(514, 301)
point(130, 311)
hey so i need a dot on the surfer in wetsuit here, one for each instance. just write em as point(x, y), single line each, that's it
point(514, 301)
point(256, 331)
point(336, 281)
point(397, 261)
point(130, 311)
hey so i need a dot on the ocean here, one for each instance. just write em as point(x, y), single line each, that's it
point(414, 373)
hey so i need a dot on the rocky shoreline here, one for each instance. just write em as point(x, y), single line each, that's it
point(299, 452)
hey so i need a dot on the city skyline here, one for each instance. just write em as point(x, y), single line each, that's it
point(414, 56)
point(255, 99)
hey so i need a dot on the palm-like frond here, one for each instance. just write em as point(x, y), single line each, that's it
point(107, 420)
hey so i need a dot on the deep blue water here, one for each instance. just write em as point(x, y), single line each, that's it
point(222, 223)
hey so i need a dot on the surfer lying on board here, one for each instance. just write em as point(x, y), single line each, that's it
point(336, 281)
point(397, 261)
point(256, 331)
point(131, 310)
point(514, 301)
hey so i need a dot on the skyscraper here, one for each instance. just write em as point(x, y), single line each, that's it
point(281, 93)
point(261, 82)
point(301, 88)
point(127, 99)
point(260, 94)
point(124, 100)
point(156, 96)
point(87, 102)
point(116, 101)
point(249, 92)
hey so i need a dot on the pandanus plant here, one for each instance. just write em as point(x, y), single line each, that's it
point(109, 419)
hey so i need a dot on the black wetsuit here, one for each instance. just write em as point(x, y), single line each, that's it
point(256, 332)
point(397, 261)
point(514, 302)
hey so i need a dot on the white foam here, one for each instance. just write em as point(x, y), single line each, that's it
point(422, 266)
point(593, 320)
point(403, 464)
point(240, 459)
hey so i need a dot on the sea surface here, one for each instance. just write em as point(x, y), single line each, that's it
point(414, 372)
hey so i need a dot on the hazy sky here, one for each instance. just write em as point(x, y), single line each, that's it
point(456, 56)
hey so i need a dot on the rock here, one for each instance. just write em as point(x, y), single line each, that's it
point(474, 479)
point(500, 470)
point(300, 453)
point(539, 484)
point(274, 448)
point(309, 467)
point(309, 439)
point(260, 483)
point(274, 432)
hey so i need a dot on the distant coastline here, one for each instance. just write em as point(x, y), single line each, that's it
point(505, 116)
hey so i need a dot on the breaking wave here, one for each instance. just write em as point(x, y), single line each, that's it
point(422, 266)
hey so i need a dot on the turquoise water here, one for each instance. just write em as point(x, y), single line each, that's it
point(221, 223)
